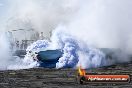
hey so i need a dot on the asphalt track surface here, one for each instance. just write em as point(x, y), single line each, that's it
point(60, 78)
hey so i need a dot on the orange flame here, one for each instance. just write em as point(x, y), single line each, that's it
point(82, 72)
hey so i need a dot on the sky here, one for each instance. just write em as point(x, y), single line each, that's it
point(3, 9)
point(2, 6)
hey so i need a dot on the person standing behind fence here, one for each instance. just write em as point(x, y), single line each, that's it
point(25, 44)
point(22, 45)
point(17, 44)
point(41, 37)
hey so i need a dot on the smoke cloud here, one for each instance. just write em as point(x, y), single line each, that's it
point(5, 53)
point(40, 15)
point(101, 23)
point(97, 23)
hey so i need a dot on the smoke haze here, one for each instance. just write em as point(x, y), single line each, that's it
point(97, 23)
point(101, 23)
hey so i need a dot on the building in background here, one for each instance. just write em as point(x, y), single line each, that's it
point(22, 38)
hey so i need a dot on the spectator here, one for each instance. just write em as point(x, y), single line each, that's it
point(17, 45)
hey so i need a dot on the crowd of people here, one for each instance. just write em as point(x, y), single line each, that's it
point(21, 45)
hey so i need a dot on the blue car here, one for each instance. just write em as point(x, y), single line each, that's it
point(49, 58)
